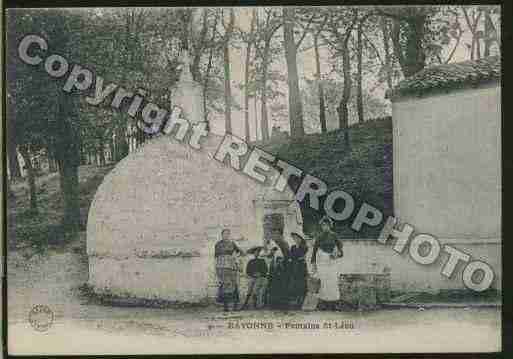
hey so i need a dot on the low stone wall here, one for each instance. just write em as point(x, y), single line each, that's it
point(193, 278)
point(370, 256)
point(175, 279)
point(368, 289)
point(190, 279)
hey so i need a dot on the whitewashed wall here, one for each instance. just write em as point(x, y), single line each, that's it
point(447, 169)
point(154, 220)
point(447, 163)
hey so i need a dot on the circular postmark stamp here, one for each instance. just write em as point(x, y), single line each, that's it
point(41, 317)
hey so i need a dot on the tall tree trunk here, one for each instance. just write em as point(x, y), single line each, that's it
point(255, 104)
point(488, 32)
point(31, 178)
point(198, 49)
point(185, 22)
point(111, 145)
point(322, 104)
point(264, 122)
point(114, 147)
point(386, 47)
point(120, 142)
point(10, 193)
point(412, 59)
point(101, 152)
point(67, 150)
point(246, 76)
point(297, 129)
point(478, 48)
point(346, 94)
point(246, 95)
point(227, 78)
point(227, 91)
point(343, 111)
point(69, 187)
point(207, 74)
point(52, 165)
point(205, 85)
point(359, 74)
point(12, 153)
point(472, 22)
point(416, 56)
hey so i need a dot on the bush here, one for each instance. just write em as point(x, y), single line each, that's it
point(38, 233)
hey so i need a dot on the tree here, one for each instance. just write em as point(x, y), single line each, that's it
point(226, 65)
point(67, 149)
point(265, 53)
point(31, 177)
point(290, 20)
point(359, 71)
point(420, 34)
point(12, 154)
point(341, 25)
point(362, 22)
point(388, 63)
point(206, 77)
point(322, 104)
point(249, 39)
point(474, 16)
point(409, 35)
point(376, 41)
point(491, 35)
point(43, 113)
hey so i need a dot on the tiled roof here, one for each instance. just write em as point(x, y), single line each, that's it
point(449, 76)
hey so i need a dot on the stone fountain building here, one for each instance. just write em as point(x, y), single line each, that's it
point(155, 218)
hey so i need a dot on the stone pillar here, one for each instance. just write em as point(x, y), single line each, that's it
point(188, 94)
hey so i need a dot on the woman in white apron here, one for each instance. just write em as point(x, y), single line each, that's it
point(325, 264)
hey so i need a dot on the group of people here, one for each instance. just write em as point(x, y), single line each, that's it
point(280, 281)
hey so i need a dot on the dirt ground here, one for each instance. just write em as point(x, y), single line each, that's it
point(53, 278)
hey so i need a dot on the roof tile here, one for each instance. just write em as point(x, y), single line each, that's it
point(449, 76)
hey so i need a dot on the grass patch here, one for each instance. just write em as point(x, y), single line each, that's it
point(364, 170)
point(30, 229)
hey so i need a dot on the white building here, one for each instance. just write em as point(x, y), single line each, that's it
point(447, 174)
point(447, 164)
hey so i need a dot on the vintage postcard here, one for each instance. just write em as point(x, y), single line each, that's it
point(253, 180)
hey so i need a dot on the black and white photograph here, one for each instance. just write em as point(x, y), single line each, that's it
point(250, 180)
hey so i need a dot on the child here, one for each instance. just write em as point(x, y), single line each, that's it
point(257, 272)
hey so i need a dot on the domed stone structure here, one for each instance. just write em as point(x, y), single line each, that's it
point(156, 217)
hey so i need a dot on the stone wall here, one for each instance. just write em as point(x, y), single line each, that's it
point(369, 256)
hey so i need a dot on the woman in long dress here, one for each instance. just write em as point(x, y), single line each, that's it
point(327, 249)
point(227, 270)
point(298, 271)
